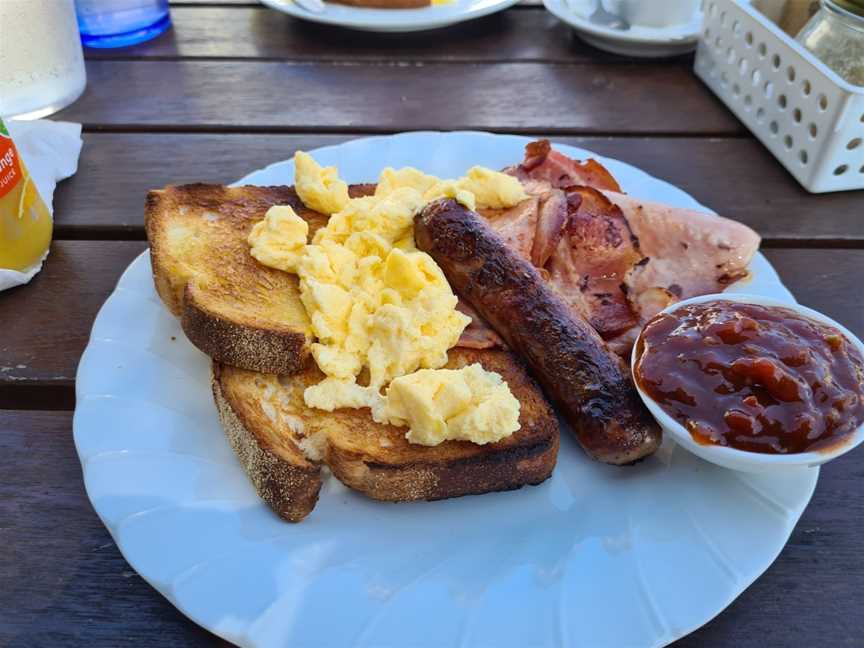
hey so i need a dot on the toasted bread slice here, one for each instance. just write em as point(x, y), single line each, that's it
point(281, 442)
point(236, 310)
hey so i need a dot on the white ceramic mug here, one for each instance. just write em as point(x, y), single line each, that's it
point(655, 13)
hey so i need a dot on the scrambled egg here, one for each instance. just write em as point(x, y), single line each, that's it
point(378, 304)
point(278, 240)
point(319, 187)
point(480, 187)
point(471, 404)
point(493, 188)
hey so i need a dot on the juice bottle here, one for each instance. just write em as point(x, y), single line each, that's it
point(25, 223)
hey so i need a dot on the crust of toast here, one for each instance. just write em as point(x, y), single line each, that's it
point(241, 344)
point(236, 310)
point(280, 473)
point(374, 458)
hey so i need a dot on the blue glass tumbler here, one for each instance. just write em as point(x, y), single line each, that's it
point(120, 23)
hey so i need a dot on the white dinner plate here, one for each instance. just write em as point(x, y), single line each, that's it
point(394, 20)
point(596, 556)
point(639, 41)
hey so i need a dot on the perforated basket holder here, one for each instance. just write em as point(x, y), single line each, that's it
point(804, 113)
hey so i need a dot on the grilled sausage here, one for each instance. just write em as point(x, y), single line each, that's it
point(589, 383)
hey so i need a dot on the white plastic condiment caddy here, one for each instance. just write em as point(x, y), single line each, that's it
point(810, 118)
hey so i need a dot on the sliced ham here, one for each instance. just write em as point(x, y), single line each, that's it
point(534, 226)
point(551, 222)
point(516, 225)
point(616, 260)
point(690, 252)
point(651, 301)
point(646, 305)
point(622, 344)
point(592, 261)
point(478, 334)
point(545, 164)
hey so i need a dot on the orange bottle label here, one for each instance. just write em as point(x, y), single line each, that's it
point(25, 222)
point(10, 168)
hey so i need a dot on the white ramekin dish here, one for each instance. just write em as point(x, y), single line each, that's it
point(744, 460)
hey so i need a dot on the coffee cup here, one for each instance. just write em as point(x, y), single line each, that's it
point(654, 13)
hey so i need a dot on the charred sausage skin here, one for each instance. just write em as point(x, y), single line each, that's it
point(588, 382)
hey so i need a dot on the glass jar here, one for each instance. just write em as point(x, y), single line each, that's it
point(41, 63)
point(835, 34)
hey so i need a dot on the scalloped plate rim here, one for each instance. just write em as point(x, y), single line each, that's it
point(137, 265)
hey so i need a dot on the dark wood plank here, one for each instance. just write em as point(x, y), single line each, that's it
point(66, 584)
point(740, 179)
point(800, 601)
point(261, 33)
point(115, 171)
point(62, 580)
point(826, 280)
point(285, 97)
point(47, 323)
point(106, 197)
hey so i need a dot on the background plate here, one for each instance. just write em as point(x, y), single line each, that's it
point(640, 41)
point(596, 556)
point(394, 20)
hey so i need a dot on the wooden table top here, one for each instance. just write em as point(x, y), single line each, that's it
point(235, 86)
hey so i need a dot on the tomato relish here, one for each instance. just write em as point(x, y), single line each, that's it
point(757, 378)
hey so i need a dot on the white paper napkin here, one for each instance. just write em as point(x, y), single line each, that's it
point(50, 150)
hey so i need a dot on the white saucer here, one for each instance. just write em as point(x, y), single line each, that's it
point(393, 20)
point(639, 41)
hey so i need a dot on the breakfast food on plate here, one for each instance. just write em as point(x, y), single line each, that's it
point(338, 341)
point(282, 443)
point(258, 273)
point(751, 377)
point(590, 383)
point(619, 260)
point(545, 167)
point(378, 305)
point(230, 306)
